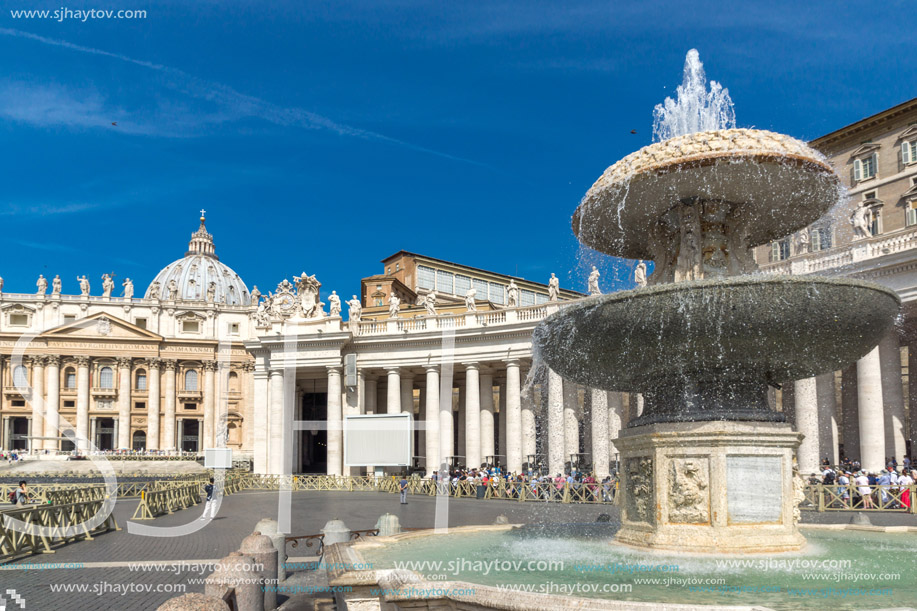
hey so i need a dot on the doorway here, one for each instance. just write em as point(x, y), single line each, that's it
point(314, 444)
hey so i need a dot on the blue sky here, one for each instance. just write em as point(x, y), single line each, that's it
point(324, 136)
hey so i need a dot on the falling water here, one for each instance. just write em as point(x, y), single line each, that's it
point(696, 109)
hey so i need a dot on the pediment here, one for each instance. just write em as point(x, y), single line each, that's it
point(867, 147)
point(16, 308)
point(909, 133)
point(101, 325)
point(910, 193)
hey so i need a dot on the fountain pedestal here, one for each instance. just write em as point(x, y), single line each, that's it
point(718, 486)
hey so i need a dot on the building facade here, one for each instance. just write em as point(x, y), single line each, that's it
point(201, 361)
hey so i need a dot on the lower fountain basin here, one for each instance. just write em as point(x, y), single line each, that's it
point(699, 349)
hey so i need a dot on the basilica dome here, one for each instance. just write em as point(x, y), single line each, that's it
point(194, 273)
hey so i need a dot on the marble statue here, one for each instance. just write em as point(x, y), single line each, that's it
point(173, 290)
point(56, 285)
point(155, 290)
point(394, 305)
point(128, 288)
point(1, 284)
point(429, 303)
point(860, 219)
point(354, 309)
point(470, 305)
point(553, 288)
point(107, 285)
point(84, 285)
point(640, 274)
point(512, 295)
point(256, 295)
point(689, 262)
point(262, 316)
point(42, 284)
point(801, 242)
point(211, 291)
point(335, 302)
point(308, 288)
point(594, 282)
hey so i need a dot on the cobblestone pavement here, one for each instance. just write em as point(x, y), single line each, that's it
point(106, 580)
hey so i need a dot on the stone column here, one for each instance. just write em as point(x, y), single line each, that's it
point(513, 418)
point(275, 434)
point(529, 433)
point(827, 418)
point(153, 399)
point(502, 420)
point(335, 421)
point(473, 456)
point(871, 413)
point(912, 391)
point(261, 416)
point(370, 394)
point(37, 401)
point(93, 425)
point(850, 413)
point(52, 405)
point(407, 393)
point(615, 421)
point(393, 394)
point(446, 424)
point(124, 402)
point(571, 423)
point(459, 416)
point(248, 407)
point(82, 403)
point(599, 432)
point(487, 414)
point(555, 420)
point(432, 418)
point(806, 396)
point(207, 438)
point(168, 420)
point(892, 395)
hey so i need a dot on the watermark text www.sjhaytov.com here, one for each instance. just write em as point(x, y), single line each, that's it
point(66, 14)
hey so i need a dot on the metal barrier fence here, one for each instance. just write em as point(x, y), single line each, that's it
point(48, 526)
point(168, 500)
point(821, 497)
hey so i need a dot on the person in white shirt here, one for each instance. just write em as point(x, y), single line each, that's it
point(863, 488)
point(843, 487)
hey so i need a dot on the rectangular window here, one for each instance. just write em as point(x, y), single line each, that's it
point(912, 213)
point(190, 326)
point(496, 293)
point(140, 405)
point(190, 406)
point(539, 298)
point(462, 284)
point(444, 282)
point(820, 238)
point(865, 168)
point(234, 329)
point(140, 322)
point(19, 320)
point(70, 379)
point(426, 277)
point(780, 250)
point(527, 298)
point(480, 289)
point(909, 152)
point(18, 403)
point(69, 403)
point(875, 221)
point(68, 318)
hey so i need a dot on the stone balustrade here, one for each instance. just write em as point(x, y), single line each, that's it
point(421, 324)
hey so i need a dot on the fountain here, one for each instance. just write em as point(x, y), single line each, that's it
point(708, 465)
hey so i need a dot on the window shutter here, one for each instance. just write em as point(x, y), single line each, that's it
point(905, 153)
point(857, 170)
point(874, 166)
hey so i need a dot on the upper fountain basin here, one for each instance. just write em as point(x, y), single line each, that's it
point(770, 328)
point(778, 184)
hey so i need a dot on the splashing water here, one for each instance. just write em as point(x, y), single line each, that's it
point(696, 109)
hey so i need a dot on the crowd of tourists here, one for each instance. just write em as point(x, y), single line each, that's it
point(579, 485)
point(855, 487)
point(10, 456)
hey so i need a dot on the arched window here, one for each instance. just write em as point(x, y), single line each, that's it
point(139, 441)
point(106, 378)
point(69, 378)
point(20, 376)
point(141, 379)
point(233, 381)
point(191, 380)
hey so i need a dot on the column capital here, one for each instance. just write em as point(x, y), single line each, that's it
point(210, 365)
point(248, 366)
point(472, 366)
point(335, 369)
point(124, 362)
point(81, 361)
point(431, 368)
point(277, 372)
point(52, 360)
point(393, 369)
point(35, 360)
point(513, 362)
point(169, 364)
point(155, 363)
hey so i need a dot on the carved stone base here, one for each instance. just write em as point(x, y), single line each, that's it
point(718, 487)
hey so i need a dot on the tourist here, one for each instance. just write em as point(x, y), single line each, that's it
point(864, 489)
point(884, 482)
point(209, 505)
point(904, 481)
point(22, 495)
point(403, 487)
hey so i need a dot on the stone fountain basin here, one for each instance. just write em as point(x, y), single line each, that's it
point(777, 183)
point(758, 327)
